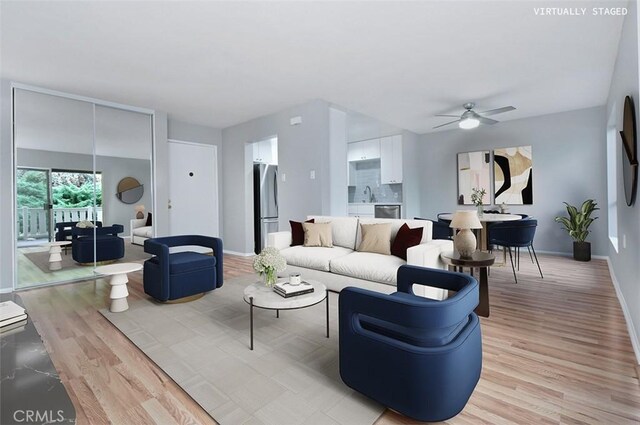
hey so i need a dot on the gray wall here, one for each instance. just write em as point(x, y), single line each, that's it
point(6, 189)
point(626, 262)
point(113, 170)
point(568, 165)
point(301, 148)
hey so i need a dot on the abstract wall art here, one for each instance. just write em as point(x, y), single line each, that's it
point(474, 171)
point(513, 175)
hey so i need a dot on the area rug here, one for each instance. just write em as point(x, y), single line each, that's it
point(132, 253)
point(291, 377)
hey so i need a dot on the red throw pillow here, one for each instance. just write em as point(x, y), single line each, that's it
point(406, 238)
point(297, 232)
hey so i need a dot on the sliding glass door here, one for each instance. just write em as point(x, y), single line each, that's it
point(33, 206)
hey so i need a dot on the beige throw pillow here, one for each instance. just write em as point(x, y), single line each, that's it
point(376, 238)
point(317, 234)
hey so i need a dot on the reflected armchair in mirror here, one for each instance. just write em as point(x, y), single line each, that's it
point(109, 246)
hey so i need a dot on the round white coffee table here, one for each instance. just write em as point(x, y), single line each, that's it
point(260, 296)
point(55, 257)
point(118, 282)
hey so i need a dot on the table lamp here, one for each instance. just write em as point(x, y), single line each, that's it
point(139, 211)
point(465, 241)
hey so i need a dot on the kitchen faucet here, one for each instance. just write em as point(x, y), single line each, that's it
point(370, 194)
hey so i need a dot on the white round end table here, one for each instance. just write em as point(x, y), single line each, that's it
point(118, 282)
point(55, 257)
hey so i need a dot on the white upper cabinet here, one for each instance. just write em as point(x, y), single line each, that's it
point(391, 160)
point(361, 151)
point(266, 151)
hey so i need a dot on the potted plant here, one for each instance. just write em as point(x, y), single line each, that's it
point(577, 225)
point(477, 196)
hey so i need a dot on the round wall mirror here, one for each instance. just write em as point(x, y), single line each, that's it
point(629, 154)
point(130, 190)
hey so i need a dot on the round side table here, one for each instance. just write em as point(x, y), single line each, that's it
point(118, 282)
point(479, 259)
point(55, 257)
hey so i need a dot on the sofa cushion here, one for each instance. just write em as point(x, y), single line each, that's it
point(297, 232)
point(144, 232)
point(395, 226)
point(317, 234)
point(375, 238)
point(343, 229)
point(317, 258)
point(181, 262)
point(406, 238)
point(368, 266)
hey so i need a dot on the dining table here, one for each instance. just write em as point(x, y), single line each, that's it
point(485, 220)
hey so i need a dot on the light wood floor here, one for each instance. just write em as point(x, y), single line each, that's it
point(556, 350)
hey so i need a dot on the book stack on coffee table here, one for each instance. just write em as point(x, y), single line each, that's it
point(12, 317)
point(285, 289)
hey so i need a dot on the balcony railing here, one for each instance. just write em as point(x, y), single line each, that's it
point(33, 222)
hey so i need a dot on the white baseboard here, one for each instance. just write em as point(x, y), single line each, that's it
point(635, 343)
point(241, 254)
point(6, 290)
point(570, 254)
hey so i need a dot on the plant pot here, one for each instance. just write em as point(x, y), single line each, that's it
point(582, 251)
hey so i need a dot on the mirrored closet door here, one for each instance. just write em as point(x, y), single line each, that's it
point(71, 154)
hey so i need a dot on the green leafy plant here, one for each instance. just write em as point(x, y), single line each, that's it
point(579, 220)
point(477, 196)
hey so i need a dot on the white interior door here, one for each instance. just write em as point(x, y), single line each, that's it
point(193, 189)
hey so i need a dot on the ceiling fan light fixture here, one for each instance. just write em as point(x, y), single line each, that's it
point(468, 123)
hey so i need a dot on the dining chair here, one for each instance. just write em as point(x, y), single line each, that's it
point(515, 234)
point(441, 230)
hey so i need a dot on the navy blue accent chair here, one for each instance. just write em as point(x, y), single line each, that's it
point(418, 356)
point(441, 229)
point(64, 229)
point(109, 246)
point(515, 234)
point(171, 276)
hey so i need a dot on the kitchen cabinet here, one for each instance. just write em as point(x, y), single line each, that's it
point(391, 160)
point(365, 150)
point(361, 210)
point(266, 152)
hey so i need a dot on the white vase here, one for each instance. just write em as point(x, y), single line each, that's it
point(465, 243)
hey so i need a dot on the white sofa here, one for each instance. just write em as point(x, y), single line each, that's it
point(343, 266)
point(139, 231)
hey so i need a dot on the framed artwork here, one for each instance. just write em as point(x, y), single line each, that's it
point(513, 175)
point(474, 171)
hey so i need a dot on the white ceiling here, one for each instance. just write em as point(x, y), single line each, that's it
point(223, 63)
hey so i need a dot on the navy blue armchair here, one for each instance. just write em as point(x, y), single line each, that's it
point(171, 276)
point(418, 356)
point(64, 229)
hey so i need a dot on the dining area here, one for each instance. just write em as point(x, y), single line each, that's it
point(478, 236)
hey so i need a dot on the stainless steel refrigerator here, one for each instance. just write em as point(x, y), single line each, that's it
point(265, 203)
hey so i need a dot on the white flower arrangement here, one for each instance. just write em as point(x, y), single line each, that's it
point(268, 263)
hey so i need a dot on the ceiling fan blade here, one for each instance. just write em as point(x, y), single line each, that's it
point(442, 125)
point(443, 115)
point(484, 120)
point(497, 111)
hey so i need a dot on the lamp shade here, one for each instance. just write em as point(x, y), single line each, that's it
point(139, 208)
point(465, 219)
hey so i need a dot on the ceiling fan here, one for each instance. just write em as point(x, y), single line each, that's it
point(471, 119)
